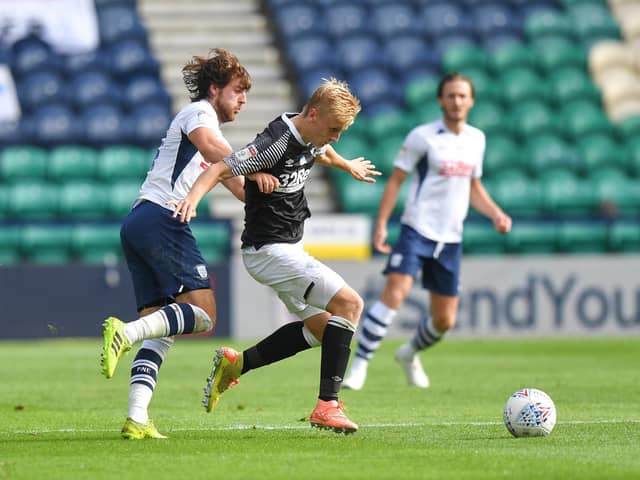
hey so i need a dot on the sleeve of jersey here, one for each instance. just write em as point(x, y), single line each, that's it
point(412, 149)
point(260, 155)
point(198, 117)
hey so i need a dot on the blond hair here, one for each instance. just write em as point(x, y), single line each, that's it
point(334, 98)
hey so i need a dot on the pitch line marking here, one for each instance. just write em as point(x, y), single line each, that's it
point(306, 426)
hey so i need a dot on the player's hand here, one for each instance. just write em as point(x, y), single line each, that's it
point(363, 170)
point(185, 209)
point(380, 239)
point(267, 183)
point(502, 223)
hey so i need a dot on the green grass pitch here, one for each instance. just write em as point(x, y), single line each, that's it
point(59, 419)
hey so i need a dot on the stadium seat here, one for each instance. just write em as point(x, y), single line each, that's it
point(484, 85)
point(624, 237)
point(145, 88)
point(532, 118)
point(545, 22)
point(385, 151)
point(120, 196)
point(491, 41)
point(311, 79)
point(441, 19)
point(502, 153)
point(480, 238)
point(347, 19)
point(46, 244)
point(515, 192)
point(427, 112)
point(358, 197)
point(12, 133)
point(9, 244)
point(563, 193)
point(85, 199)
point(571, 83)
point(295, 20)
point(510, 56)
point(95, 60)
point(393, 19)
point(358, 53)
point(421, 90)
point(311, 52)
point(520, 84)
point(53, 125)
point(370, 85)
point(617, 194)
point(69, 162)
point(554, 52)
point(581, 117)
point(628, 128)
point(403, 54)
point(104, 125)
point(95, 243)
point(123, 162)
point(633, 157)
point(120, 21)
point(389, 124)
point(489, 117)
point(148, 124)
point(458, 57)
point(495, 17)
point(32, 54)
point(548, 150)
point(22, 163)
point(592, 20)
point(582, 237)
point(214, 239)
point(129, 57)
point(599, 150)
point(611, 54)
point(4, 202)
point(40, 88)
point(532, 237)
point(92, 87)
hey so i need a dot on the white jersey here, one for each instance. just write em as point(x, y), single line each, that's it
point(178, 162)
point(442, 164)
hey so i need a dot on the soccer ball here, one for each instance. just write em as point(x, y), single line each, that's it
point(530, 413)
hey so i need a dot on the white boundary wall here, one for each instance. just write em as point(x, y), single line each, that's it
point(503, 296)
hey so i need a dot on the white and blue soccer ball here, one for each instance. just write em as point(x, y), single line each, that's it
point(530, 413)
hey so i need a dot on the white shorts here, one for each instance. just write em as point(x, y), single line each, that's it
point(304, 284)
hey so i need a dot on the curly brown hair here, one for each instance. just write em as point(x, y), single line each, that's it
point(219, 68)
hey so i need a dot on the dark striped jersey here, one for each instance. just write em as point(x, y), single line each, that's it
point(277, 217)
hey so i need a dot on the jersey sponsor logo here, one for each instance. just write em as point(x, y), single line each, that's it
point(246, 153)
point(300, 161)
point(455, 168)
point(294, 181)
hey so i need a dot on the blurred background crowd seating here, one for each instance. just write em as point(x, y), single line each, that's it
point(557, 93)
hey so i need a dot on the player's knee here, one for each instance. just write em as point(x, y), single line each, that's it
point(353, 307)
point(444, 323)
point(204, 322)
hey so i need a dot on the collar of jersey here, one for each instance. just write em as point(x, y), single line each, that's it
point(286, 118)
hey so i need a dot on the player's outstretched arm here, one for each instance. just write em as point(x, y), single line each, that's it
point(482, 201)
point(360, 168)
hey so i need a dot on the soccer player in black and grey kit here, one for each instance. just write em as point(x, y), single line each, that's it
point(272, 249)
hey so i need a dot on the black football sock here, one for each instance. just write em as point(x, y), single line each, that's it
point(335, 356)
point(283, 343)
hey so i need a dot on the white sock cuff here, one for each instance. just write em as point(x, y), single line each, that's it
point(382, 312)
point(310, 337)
point(159, 345)
point(342, 323)
point(203, 322)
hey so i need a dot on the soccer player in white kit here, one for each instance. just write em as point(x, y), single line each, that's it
point(170, 279)
point(445, 158)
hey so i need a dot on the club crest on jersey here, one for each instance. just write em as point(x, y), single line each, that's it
point(201, 271)
point(247, 152)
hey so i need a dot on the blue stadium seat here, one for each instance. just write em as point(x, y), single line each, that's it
point(372, 85)
point(92, 87)
point(145, 88)
point(103, 125)
point(130, 57)
point(148, 124)
point(308, 81)
point(443, 43)
point(347, 19)
point(299, 19)
point(491, 41)
point(120, 21)
point(52, 125)
point(358, 53)
point(406, 53)
point(311, 52)
point(11, 133)
point(32, 54)
point(440, 19)
point(93, 60)
point(393, 19)
point(496, 17)
point(40, 88)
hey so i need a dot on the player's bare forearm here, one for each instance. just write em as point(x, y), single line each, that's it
point(482, 202)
